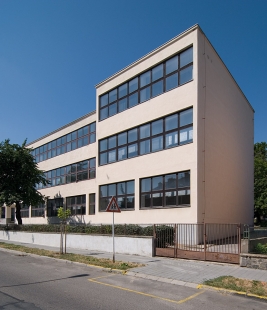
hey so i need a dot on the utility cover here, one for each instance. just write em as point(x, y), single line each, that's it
point(113, 206)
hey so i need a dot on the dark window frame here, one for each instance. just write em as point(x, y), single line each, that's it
point(179, 129)
point(149, 85)
point(73, 207)
point(165, 190)
point(92, 204)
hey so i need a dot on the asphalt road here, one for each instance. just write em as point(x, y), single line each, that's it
point(32, 282)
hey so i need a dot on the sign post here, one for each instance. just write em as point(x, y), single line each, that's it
point(113, 207)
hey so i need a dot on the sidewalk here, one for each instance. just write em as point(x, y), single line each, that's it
point(176, 271)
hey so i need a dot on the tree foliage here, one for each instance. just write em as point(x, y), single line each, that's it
point(19, 175)
point(260, 179)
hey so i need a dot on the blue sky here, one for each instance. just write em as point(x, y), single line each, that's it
point(54, 52)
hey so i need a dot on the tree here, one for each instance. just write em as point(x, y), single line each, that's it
point(260, 180)
point(19, 175)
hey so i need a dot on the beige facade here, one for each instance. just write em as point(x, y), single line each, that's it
point(217, 159)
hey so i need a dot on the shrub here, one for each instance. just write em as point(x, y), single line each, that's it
point(260, 248)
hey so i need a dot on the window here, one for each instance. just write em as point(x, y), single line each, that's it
point(165, 76)
point(76, 139)
point(83, 170)
point(161, 134)
point(76, 204)
point(91, 204)
point(53, 206)
point(170, 190)
point(24, 211)
point(38, 211)
point(3, 212)
point(122, 191)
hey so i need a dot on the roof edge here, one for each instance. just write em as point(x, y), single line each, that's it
point(63, 127)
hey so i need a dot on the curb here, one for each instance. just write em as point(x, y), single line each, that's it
point(232, 292)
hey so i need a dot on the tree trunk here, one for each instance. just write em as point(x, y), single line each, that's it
point(18, 215)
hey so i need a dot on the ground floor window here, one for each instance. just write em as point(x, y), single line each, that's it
point(53, 205)
point(122, 191)
point(24, 211)
point(3, 212)
point(38, 211)
point(91, 204)
point(170, 190)
point(76, 204)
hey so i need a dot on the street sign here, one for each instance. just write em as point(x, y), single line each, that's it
point(113, 205)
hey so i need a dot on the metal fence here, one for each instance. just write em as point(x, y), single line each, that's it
point(213, 242)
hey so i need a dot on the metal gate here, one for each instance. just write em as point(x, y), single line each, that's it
point(211, 242)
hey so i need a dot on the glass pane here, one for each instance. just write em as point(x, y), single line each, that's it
point(186, 57)
point(145, 201)
point(58, 153)
point(171, 139)
point(112, 142)
point(103, 145)
point(145, 94)
point(123, 90)
point(103, 113)
point(121, 188)
point(92, 173)
point(157, 183)
point(146, 185)
point(186, 135)
point(171, 64)
point(157, 127)
point(92, 127)
point(103, 100)
point(184, 197)
point(112, 156)
point(68, 147)
point(171, 122)
point(92, 162)
point(144, 131)
point(113, 95)
point(86, 130)
point(186, 75)
point(172, 81)
point(54, 144)
point(80, 142)
point(92, 138)
point(145, 147)
point(86, 140)
point(84, 165)
point(133, 85)
point(103, 191)
point(130, 202)
point(122, 153)
point(121, 202)
point(74, 135)
point(170, 198)
point(122, 104)
point(62, 170)
point(132, 150)
point(80, 132)
point(73, 145)
point(170, 181)
point(49, 146)
point(112, 189)
point(132, 135)
point(184, 179)
point(157, 200)
point(157, 88)
point(58, 144)
point(45, 146)
point(186, 117)
point(122, 138)
point(145, 78)
point(69, 137)
point(91, 198)
point(113, 109)
point(157, 72)
point(103, 158)
point(130, 187)
point(157, 144)
point(133, 100)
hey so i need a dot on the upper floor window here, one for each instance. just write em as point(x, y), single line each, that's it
point(163, 77)
point(83, 170)
point(72, 141)
point(160, 134)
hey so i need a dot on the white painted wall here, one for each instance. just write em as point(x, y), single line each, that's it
point(123, 245)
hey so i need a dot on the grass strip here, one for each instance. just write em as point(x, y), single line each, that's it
point(240, 285)
point(101, 262)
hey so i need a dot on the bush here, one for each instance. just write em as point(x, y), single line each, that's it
point(260, 248)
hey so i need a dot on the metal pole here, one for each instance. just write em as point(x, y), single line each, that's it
point(113, 239)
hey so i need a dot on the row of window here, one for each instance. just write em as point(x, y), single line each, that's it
point(164, 133)
point(169, 190)
point(72, 141)
point(83, 170)
point(167, 75)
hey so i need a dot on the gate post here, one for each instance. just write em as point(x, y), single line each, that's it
point(154, 240)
